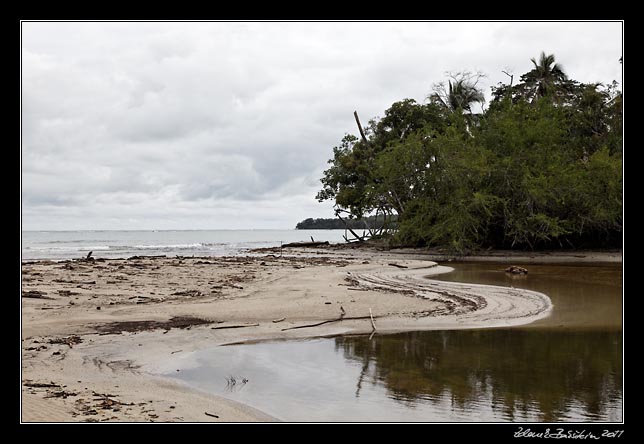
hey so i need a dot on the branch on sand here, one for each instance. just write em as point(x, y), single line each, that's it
point(341, 318)
point(234, 326)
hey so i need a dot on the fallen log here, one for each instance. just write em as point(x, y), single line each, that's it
point(305, 244)
point(132, 258)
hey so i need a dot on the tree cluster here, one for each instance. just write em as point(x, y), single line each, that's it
point(540, 167)
point(337, 224)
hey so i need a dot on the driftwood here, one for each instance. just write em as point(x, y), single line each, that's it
point(514, 269)
point(192, 293)
point(278, 320)
point(52, 384)
point(398, 265)
point(60, 394)
point(211, 414)
point(373, 324)
point(67, 281)
point(305, 244)
point(69, 341)
point(132, 258)
point(341, 318)
point(35, 294)
point(234, 326)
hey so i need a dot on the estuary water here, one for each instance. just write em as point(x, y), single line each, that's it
point(565, 368)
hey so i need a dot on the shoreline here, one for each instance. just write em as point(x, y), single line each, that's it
point(501, 256)
point(365, 250)
point(99, 333)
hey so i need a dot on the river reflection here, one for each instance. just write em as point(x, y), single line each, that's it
point(520, 375)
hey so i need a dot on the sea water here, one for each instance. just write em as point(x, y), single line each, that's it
point(58, 245)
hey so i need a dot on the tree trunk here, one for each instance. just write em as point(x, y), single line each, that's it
point(355, 114)
point(349, 228)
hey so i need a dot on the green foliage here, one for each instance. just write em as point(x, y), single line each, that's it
point(354, 180)
point(460, 93)
point(540, 168)
point(337, 224)
point(547, 77)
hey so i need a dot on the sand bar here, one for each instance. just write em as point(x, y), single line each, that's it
point(96, 333)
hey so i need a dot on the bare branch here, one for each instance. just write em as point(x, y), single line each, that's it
point(355, 114)
point(509, 75)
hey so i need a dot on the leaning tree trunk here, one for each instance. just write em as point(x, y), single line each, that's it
point(355, 114)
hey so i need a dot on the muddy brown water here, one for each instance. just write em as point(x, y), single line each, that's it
point(584, 296)
point(564, 368)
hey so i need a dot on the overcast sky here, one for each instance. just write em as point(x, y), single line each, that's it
point(230, 125)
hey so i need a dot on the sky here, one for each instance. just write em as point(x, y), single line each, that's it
point(229, 125)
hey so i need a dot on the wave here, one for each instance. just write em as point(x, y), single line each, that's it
point(164, 247)
point(121, 247)
point(70, 248)
point(73, 241)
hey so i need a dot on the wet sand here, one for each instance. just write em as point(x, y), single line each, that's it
point(94, 333)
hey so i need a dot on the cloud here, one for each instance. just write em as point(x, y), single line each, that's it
point(224, 125)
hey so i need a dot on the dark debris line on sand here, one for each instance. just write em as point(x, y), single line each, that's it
point(70, 341)
point(136, 326)
point(35, 294)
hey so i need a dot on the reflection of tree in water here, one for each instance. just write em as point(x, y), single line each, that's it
point(520, 372)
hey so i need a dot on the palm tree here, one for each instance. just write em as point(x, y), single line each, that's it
point(460, 95)
point(546, 77)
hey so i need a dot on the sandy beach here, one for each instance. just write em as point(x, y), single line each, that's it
point(97, 333)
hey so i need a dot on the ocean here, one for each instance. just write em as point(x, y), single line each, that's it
point(60, 245)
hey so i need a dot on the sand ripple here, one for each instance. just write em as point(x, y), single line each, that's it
point(465, 305)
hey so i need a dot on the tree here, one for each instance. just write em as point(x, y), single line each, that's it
point(546, 78)
point(540, 169)
point(450, 202)
point(460, 93)
point(355, 180)
point(595, 120)
point(403, 118)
